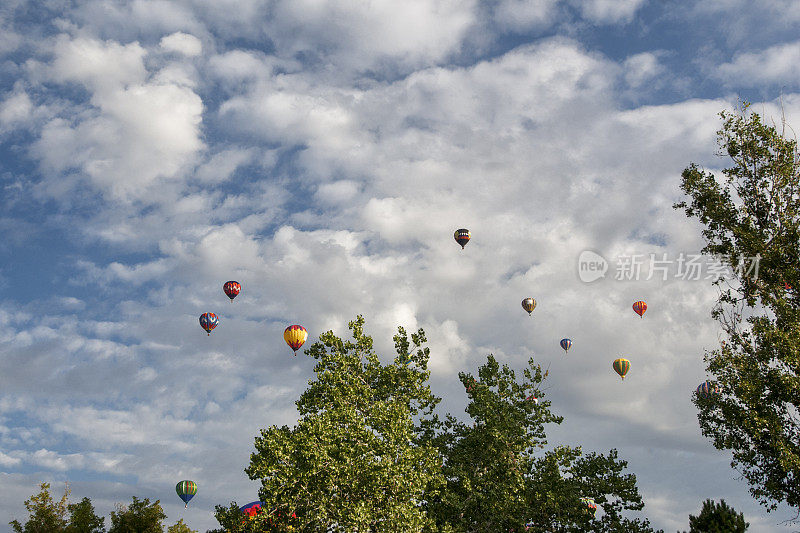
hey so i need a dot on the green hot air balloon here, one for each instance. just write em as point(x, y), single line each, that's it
point(186, 490)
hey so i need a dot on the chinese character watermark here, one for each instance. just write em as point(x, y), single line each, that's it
point(684, 266)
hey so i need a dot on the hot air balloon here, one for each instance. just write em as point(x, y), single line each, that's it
point(295, 336)
point(251, 509)
point(186, 490)
point(208, 321)
point(232, 289)
point(462, 237)
point(566, 344)
point(707, 390)
point(621, 366)
point(533, 399)
point(529, 304)
point(591, 507)
point(639, 308)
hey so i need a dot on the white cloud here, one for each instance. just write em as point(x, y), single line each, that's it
point(643, 68)
point(134, 134)
point(518, 15)
point(778, 64)
point(15, 108)
point(609, 11)
point(182, 43)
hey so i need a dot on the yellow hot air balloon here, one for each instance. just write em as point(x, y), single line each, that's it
point(621, 366)
point(529, 304)
point(295, 336)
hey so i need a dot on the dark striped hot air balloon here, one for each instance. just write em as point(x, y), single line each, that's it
point(462, 237)
point(707, 390)
point(295, 336)
point(529, 304)
point(621, 366)
point(208, 321)
point(639, 308)
point(186, 490)
point(566, 344)
point(232, 289)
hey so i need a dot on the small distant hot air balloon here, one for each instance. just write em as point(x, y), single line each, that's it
point(566, 344)
point(251, 509)
point(295, 336)
point(707, 390)
point(591, 507)
point(186, 490)
point(462, 237)
point(639, 308)
point(621, 366)
point(529, 304)
point(533, 399)
point(232, 289)
point(208, 321)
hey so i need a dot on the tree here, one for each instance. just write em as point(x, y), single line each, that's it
point(499, 479)
point(180, 527)
point(357, 460)
point(717, 518)
point(140, 516)
point(45, 514)
point(751, 218)
point(82, 518)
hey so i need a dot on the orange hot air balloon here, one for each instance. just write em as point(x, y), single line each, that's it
point(639, 308)
point(295, 336)
point(621, 366)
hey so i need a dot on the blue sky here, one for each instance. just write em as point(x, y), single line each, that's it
point(322, 153)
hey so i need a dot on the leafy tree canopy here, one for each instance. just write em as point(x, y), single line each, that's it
point(717, 518)
point(751, 219)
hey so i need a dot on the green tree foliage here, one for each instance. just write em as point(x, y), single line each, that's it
point(717, 518)
point(753, 210)
point(500, 478)
point(357, 459)
point(368, 454)
point(140, 516)
point(82, 518)
point(180, 527)
point(45, 514)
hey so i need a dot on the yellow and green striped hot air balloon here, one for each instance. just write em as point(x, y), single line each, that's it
point(186, 490)
point(621, 366)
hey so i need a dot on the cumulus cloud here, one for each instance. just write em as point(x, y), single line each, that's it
point(182, 43)
point(132, 134)
point(775, 65)
point(609, 11)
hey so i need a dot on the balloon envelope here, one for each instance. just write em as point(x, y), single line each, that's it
point(639, 308)
point(591, 507)
point(529, 304)
point(707, 390)
point(251, 509)
point(295, 336)
point(566, 344)
point(208, 321)
point(186, 490)
point(232, 289)
point(621, 366)
point(462, 237)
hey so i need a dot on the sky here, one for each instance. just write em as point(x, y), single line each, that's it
point(322, 153)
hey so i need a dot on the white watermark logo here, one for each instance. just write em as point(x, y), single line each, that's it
point(685, 266)
point(591, 266)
